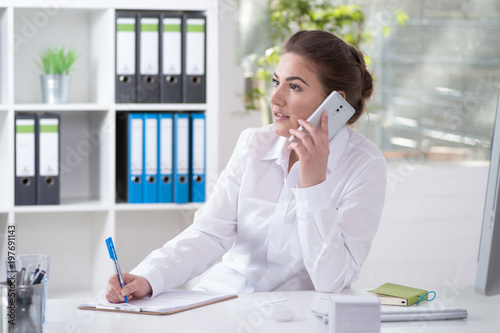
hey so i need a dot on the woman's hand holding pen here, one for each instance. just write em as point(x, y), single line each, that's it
point(136, 287)
point(312, 151)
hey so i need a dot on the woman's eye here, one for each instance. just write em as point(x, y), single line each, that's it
point(275, 82)
point(293, 86)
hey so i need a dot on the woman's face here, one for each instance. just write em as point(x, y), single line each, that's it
point(297, 93)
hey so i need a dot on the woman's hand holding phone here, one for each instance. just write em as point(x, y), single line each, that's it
point(312, 150)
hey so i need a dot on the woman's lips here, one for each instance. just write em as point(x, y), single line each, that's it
point(280, 116)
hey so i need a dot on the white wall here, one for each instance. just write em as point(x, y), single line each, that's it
point(429, 233)
point(232, 115)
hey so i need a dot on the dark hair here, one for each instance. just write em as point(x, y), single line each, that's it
point(339, 66)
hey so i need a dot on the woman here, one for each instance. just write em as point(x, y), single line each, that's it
point(284, 216)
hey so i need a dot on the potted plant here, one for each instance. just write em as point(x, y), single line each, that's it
point(56, 64)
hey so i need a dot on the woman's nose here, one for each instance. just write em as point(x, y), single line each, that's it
point(277, 97)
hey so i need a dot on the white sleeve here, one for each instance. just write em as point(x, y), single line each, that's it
point(336, 237)
point(204, 242)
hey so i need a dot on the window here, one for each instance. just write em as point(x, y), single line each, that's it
point(437, 80)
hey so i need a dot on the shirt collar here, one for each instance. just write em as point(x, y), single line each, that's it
point(279, 151)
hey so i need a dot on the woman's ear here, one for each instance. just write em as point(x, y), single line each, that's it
point(342, 94)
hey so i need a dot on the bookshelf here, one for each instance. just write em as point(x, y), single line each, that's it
point(73, 232)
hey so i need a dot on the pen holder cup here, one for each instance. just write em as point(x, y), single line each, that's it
point(21, 308)
point(30, 265)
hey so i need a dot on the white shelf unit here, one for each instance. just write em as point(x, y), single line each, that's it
point(73, 232)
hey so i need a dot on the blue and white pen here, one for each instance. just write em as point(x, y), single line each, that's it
point(112, 254)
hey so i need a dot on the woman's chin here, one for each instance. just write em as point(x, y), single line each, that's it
point(281, 131)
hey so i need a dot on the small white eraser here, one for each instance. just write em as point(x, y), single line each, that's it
point(354, 314)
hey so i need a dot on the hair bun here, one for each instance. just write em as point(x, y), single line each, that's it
point(367, 83)
point(366, 77)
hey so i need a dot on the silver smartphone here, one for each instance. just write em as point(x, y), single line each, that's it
point(339, 112)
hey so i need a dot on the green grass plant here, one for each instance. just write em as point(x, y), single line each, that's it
point(56, 60)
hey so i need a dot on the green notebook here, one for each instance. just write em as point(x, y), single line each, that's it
point(395, 294)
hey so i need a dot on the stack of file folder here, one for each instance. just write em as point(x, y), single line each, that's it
point(37, 155)
point(160, 57)
point(160, 157)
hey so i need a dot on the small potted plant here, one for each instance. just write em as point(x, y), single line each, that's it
point(56, 64)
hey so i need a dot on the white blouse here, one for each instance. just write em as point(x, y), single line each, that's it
point(272, 234)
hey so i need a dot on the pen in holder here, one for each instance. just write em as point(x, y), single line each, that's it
point(32, 273)
point(29, 308)
point(21, 308)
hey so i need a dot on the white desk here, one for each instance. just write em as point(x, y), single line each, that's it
point(242, 315)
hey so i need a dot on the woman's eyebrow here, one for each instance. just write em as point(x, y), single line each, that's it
point(291, 78)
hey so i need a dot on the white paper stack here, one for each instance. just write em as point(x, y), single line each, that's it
point(354, 314)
